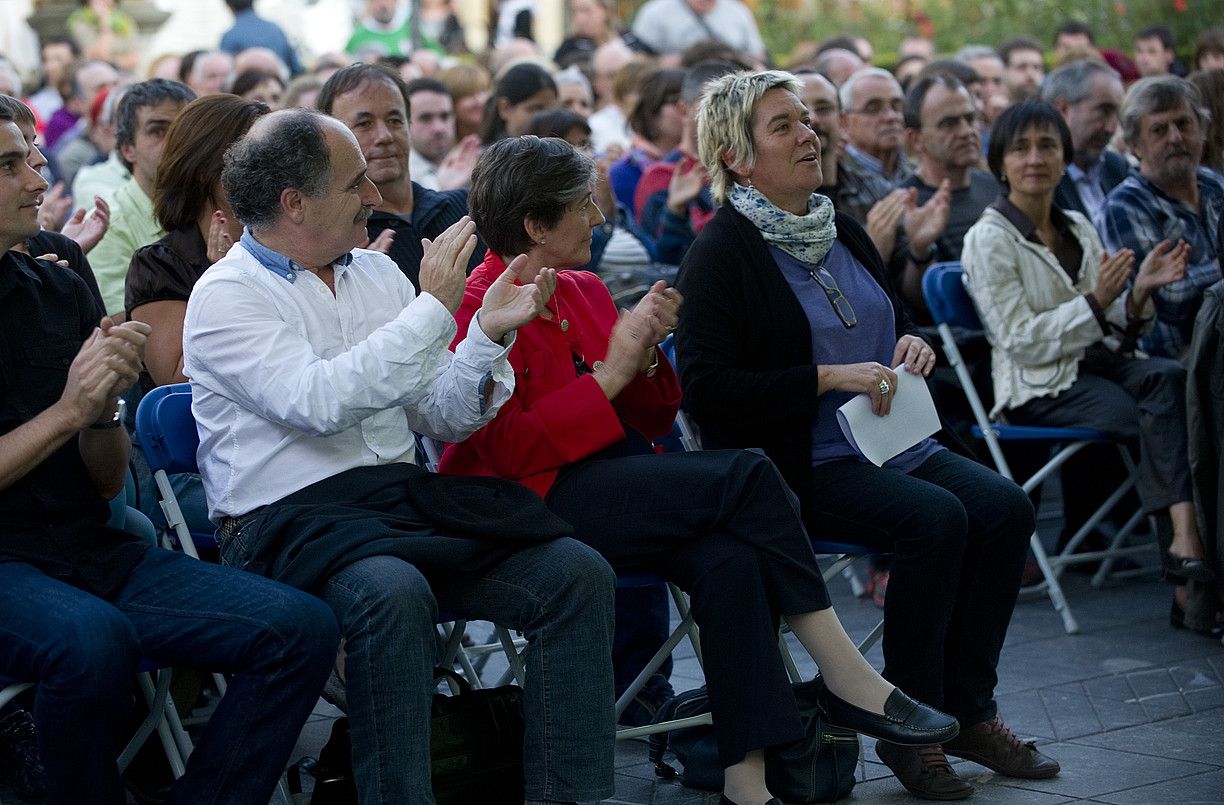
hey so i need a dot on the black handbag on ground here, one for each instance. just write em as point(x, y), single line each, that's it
point(817, 768)
point(476, 743)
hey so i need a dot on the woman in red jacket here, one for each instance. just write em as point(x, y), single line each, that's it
point(591, 391)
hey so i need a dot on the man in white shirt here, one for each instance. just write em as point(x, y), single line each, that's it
point(671, 26)
point(311, 363)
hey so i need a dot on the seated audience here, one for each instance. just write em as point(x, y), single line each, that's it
point(469, 87)
point(1164, 124)
point(437, 160)
point(789, 312)
point(373, 103)
point(623, 255)
point(617, 82)
point(941, 125)
point(592, 392)
point(1063, 324)
point(1088, 95)
point(311, 363)
point(200, 226)
point(1209, 50)
point(1155, 53)
point(574, 91)
point(1210, 84)
point(83, 603)
point(524, 90)
point(1023, 67)
point(657, 124)
point(142, 119)
point(209, 72)
point(257, 85)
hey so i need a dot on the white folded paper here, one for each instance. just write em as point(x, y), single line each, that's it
point(911, 419)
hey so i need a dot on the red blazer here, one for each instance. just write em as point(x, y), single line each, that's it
point(555, 417)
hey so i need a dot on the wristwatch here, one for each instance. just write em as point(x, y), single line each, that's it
point(115, 421)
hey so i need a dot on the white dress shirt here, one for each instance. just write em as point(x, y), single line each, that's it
point(291, 385)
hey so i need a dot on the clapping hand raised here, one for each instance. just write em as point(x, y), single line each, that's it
point(508, 306)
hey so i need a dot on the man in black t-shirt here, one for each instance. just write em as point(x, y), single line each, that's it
point(82, 602)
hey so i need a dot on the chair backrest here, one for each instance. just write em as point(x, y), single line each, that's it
point(943, 287)
point(167, 430)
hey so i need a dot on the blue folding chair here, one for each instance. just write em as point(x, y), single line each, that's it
point(953, 311)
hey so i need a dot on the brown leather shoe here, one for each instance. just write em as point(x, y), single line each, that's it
point(994, 746)
point(924, 771)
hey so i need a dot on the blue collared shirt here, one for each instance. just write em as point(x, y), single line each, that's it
point(276, 262)
point(1088, 185)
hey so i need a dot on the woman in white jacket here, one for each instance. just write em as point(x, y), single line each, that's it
point(1062, 321)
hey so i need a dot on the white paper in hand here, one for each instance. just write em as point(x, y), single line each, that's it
point(911, 419)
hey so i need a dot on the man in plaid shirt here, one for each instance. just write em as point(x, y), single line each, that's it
point(1169, 198)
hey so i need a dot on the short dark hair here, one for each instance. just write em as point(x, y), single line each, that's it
point(238, 6)
point(349, 78)
point(1161, 32)
point(713, 50)
point(556, 122)
point(138, 96)
point(248, 80)
point(699, 75)
point(1016, 44)
point(191, 162)
point(1209, 41)
point(425, 85)
point(290, 152)
point(13, 110)
point(1075, 28)
point(959, 70)
point(525, 177)
point(837, 42)
point(187, 63)
point(1012, 122)
point(917, 95)
point(60, 39)
point(518, 84)
point(659, 89)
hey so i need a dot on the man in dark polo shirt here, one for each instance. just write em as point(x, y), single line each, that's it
point(83, 603)
point(373, 103)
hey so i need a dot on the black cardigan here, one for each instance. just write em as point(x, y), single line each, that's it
point(744, 344)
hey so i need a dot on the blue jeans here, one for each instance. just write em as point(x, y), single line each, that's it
point(277, 644)
point(558, 593)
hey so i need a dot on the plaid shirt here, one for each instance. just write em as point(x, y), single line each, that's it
point(857, 190)
point(1137, 215)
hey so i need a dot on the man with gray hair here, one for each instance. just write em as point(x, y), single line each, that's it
point(1170, 197)
point(1088, 95)
point(311, 363)
point(872, 107)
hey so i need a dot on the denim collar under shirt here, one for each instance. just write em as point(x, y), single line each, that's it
point(276, 262)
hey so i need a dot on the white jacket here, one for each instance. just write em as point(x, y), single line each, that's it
point(1037, 321)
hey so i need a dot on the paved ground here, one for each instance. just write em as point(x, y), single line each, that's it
point(1133, 709)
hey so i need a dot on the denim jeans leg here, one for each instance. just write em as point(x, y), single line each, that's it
point(560, 594)
point(387, 614)
point(276, 643)
point(82, 653)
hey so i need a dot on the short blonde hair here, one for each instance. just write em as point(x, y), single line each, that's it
point(724, 122)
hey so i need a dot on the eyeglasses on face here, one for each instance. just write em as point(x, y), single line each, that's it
point(877, 106)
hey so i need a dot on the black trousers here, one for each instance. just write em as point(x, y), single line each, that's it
point(958, 533)
point(1131, 399)
point(722, 525)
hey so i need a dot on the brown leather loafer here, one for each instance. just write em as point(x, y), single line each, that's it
point(924, 771)
point(994, 746)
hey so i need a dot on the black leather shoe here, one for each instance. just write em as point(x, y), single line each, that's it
point(722, 800)
point(1182, 567)
point(905, 721)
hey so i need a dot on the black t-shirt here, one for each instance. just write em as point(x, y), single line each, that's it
point(53, 517)
point(65, 248)
point(432, 212)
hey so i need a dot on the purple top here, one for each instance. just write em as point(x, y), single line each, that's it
point(873, 338)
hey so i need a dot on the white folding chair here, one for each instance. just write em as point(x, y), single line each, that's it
point(952, 307)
